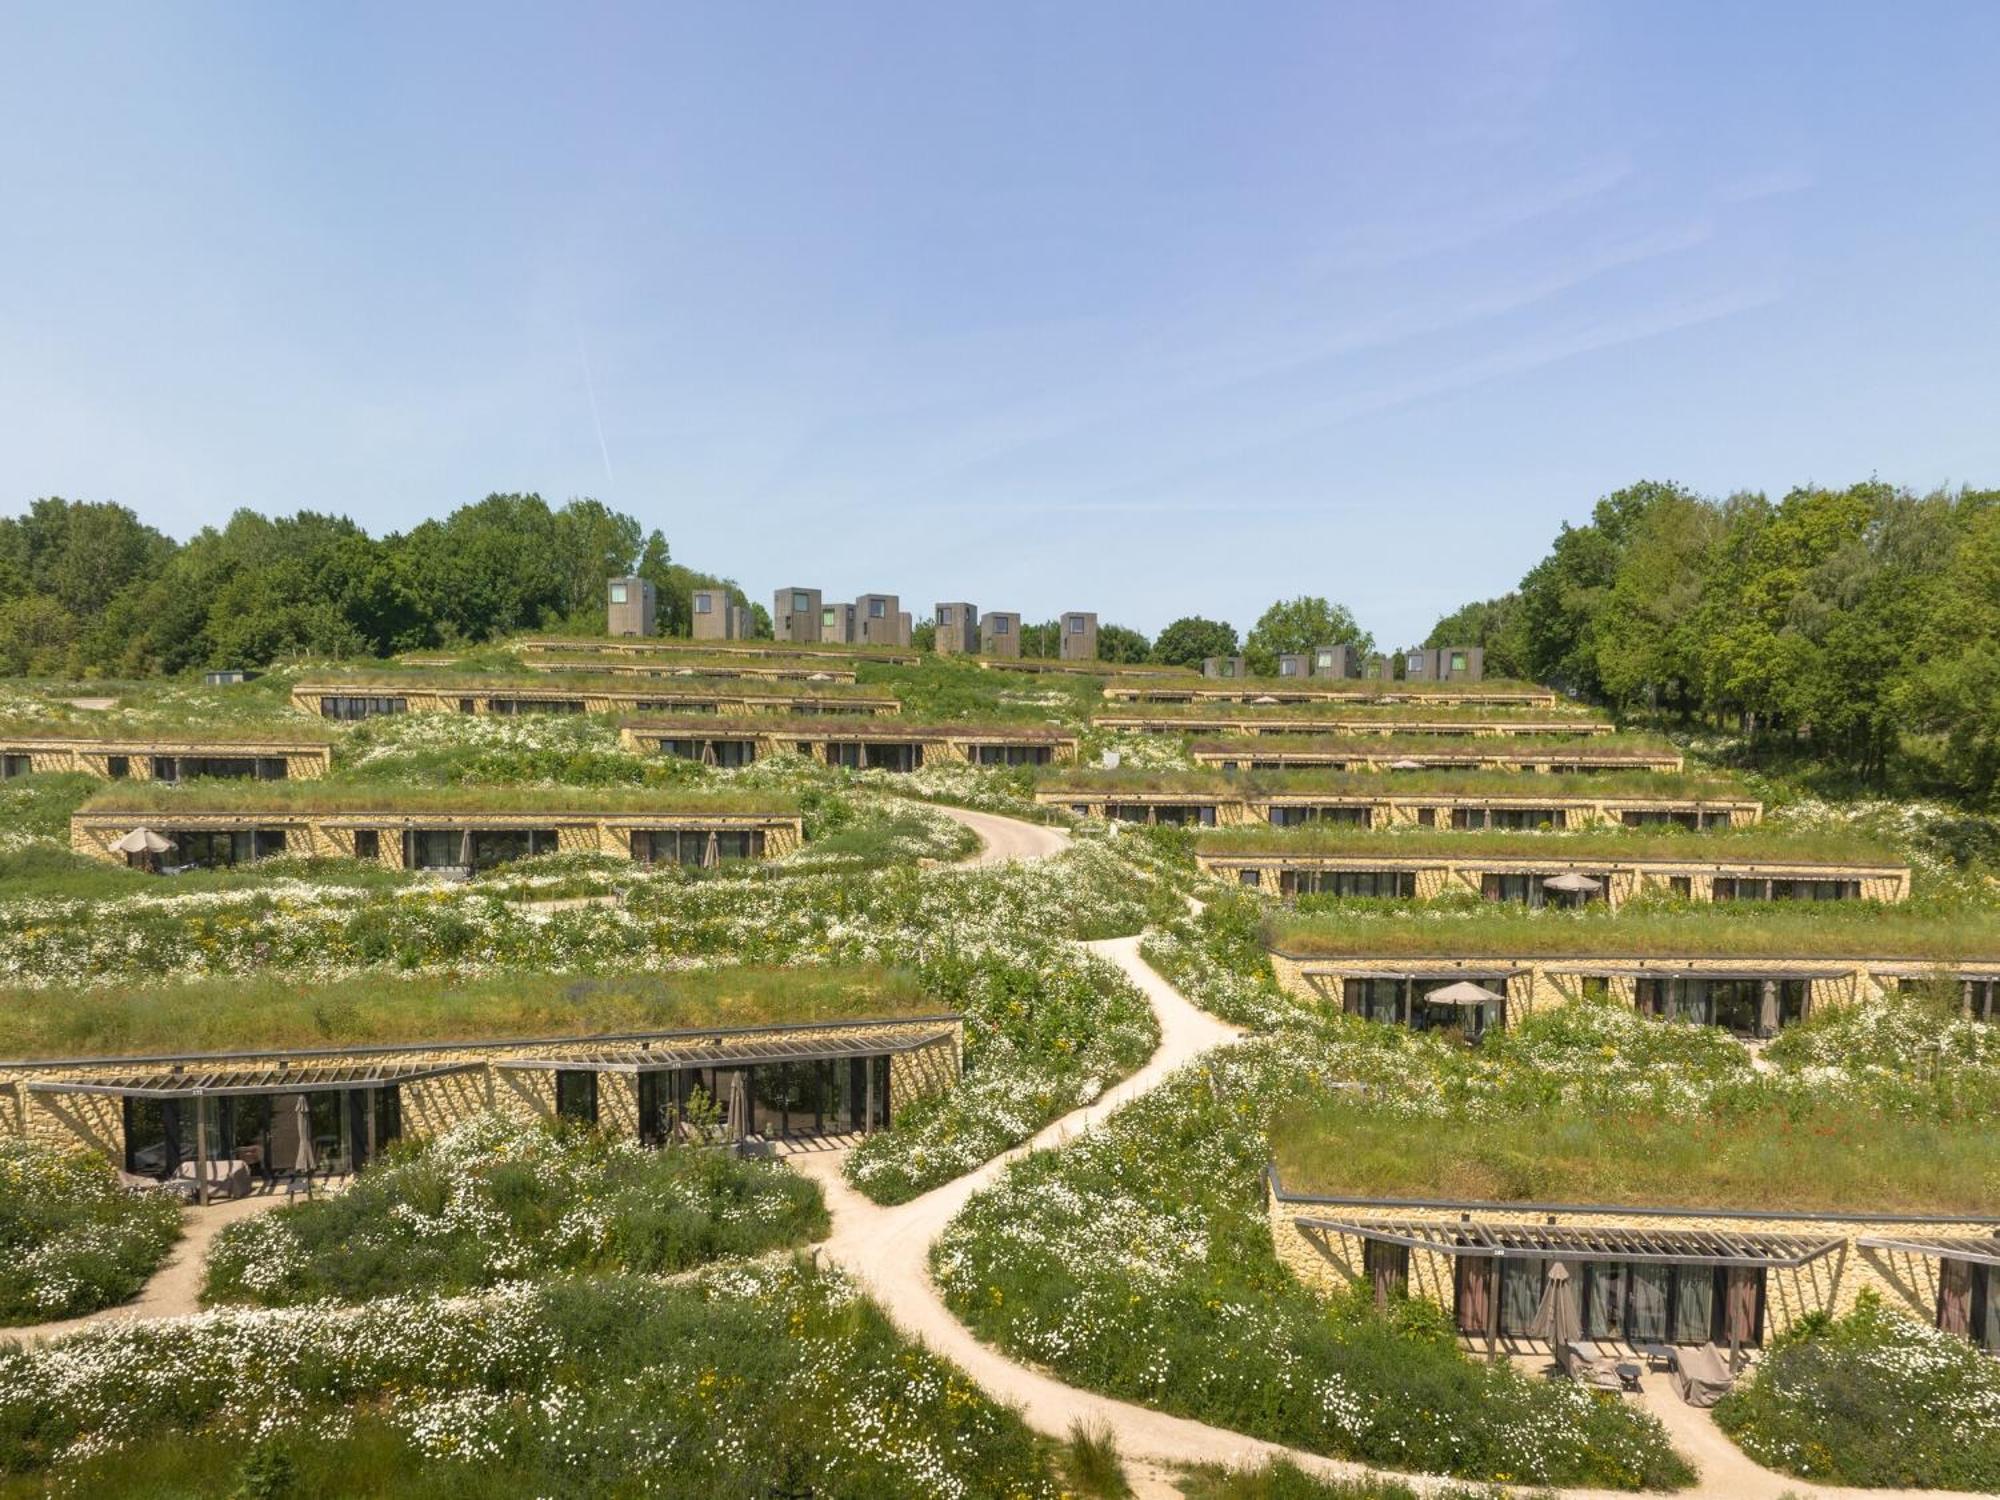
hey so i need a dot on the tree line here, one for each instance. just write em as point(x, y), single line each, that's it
point(87, 589)
point(1858, 628)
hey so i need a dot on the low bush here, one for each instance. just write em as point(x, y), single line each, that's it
point(493, 1200)
point(71, 1239)
point(1873, 1399)
point(769, 1380)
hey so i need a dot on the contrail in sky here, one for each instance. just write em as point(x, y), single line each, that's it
point(591, 391)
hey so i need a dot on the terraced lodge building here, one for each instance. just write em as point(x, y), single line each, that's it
point(231, 1120)
point(181, 757)
point(1539, 869)
point(1467, 800)
point(1259, 719)
point(1549, 755)
point(454, 832)
point(1290, 688)
point(365, 698)
point(1750, 978)
point(858, 744)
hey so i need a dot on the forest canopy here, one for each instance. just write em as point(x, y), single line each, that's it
point(1859, 627)
point(88, 589)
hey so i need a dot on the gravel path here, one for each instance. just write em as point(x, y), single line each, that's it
point(1006, 839)
point(175, 1289)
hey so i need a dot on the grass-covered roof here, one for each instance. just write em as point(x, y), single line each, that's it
point(190, 737)
point(1837, 1157)
point(317, 798)
point(1609, 748)
point(1310, 781)
point(1369, 686)
point(376, 1009)
point(1356, 713)
point(705, 726)
point(419, 679)
point(1814, 930)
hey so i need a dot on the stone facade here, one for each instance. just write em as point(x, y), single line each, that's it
point(331, 835)
point(1624, 876)
point(1388, 809)
point(1291, 692)
point(935, 744)
point(481, 698)
point(1255, 726)
point(1908, 1282)
point(1273, 753)
point(1537, 983)
point(748, 670)
point(304, 760)
point(96, 1121)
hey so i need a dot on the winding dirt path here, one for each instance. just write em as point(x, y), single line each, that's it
point(1004, 840)
point(887, 1249)
point(173, 1291)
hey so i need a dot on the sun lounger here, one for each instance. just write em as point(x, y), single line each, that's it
point(1586, 1364)
point(1701, 1374)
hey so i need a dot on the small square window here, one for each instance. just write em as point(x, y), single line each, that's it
point(617, 593)
point(1458, 661)
point(1000, 626)
point(367, 843)
point(1076, 624)
point(877, 609)
point(800, 604)
point(704, 604)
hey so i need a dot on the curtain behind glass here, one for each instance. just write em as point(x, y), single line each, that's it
point(1694, 1304)
point(1520, 1294)
point(1646, 1302)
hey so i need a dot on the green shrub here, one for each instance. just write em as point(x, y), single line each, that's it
point(1873, 1399)
point(71, 1239)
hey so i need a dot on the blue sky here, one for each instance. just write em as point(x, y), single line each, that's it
point(1147, 309)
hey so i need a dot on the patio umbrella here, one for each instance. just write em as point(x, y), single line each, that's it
point(304, 1161)
point(712, 855)
point(1267, 698)
point(1406, 765)
point(1573, 883)
point(1558, 1318)
point(1465, 992)
point(143, 841)
point(820, 677)
point(739, 1106)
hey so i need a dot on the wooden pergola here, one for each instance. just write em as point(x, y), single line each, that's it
point(1685, 1247)
point(203, 1084)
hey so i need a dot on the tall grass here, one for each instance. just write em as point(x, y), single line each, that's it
point(1814, 930)
point(217, 1015)
point(1837, 1157)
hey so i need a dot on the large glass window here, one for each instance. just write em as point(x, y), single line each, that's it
point(1379, 883)
point(1757, 888)
point(473, 848)
point(1297, 815)
point(214, 849)
point(1742, 1005)
point(1012, 755)
point(518, 706)
point(351, 706)
point(576, 1095)
point(728, 754)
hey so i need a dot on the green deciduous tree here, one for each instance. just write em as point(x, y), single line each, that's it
point(1191, 640)
point(1295, 625)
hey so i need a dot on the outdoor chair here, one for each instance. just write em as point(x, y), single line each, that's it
point(1701, 1374)
point(1588, 1365)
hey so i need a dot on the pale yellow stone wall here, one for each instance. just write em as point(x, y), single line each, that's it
point(96, 1121)
point(307, 697)
point(1624, 880)
point(1537, 983)
point(1330, 1261)
point(303, 762)
point(332, 836)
